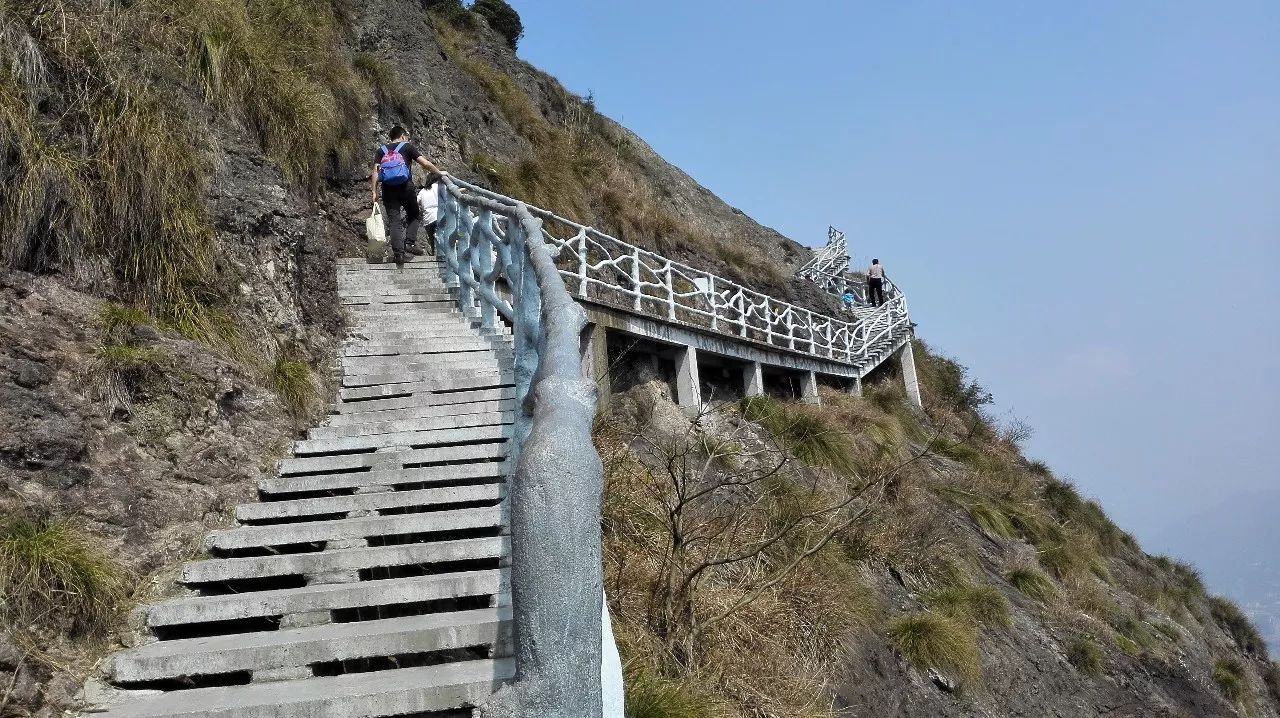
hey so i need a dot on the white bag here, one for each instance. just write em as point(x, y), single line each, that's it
point(376, 230)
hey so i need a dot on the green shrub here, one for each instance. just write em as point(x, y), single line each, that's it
point(932, 640)
point(1033, 583)
point(116, 321)
point(1231, 619)
point(977, 604)
point(293, 383)
point(805, 432)
point(949, 383)
point(502, 18)
point(649, 696)
point(51, 570)
point(1086, 656)
point(1229, 675)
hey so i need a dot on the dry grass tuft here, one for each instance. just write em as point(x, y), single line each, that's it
point(294, 383)
point(1229, 676)
point(53, 573)
point(1086, 656)
point(806, 431)
point(983, 604)
point(932, 640)
point(1032, 583)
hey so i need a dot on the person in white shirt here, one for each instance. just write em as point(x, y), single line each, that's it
point(428, 206)
point(875, 283)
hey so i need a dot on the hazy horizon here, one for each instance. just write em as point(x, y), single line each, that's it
point(1082, 203)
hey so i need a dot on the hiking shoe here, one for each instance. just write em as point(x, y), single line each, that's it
point(414, 250)
point(399, 259)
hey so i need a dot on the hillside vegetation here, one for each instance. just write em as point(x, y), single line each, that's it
point(863, 558)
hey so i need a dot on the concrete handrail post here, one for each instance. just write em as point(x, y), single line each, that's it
point(555, 496)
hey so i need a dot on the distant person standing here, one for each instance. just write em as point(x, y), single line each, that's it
point(875, 283)
point(393, 173)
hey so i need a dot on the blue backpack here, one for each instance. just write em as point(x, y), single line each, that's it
point(392, 169)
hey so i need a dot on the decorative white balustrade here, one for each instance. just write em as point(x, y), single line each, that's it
point(603, 269)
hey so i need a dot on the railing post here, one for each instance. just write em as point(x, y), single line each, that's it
point(582, 263)
point(671, 291)
point(635, 278)
point(768, 322)
point(711, 301)
point(484, 261)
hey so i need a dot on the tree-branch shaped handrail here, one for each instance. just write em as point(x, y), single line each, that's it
point(554, 500)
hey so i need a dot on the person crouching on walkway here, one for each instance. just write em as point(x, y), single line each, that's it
point(393, 174)
point(875, 283)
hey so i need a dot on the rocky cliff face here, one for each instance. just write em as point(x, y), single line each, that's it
point(112, 415)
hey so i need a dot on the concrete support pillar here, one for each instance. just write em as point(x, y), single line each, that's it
point(855, 387)
point(610, 669)
point(907, 358)
point(595, 362)
point(809, 387)
point(688, 384)
point(753, 379)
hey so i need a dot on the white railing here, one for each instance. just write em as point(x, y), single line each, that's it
point(603, 269)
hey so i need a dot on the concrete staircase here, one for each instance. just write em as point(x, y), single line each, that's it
point(370, 579)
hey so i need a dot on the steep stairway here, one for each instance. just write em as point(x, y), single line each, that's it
point(370, 579)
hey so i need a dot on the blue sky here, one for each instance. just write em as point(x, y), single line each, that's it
point(1082, 200)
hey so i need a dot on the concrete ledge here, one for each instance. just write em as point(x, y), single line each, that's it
point(327, 597)
point(383, 479)
point(384, 693)
point(353, 559)
point(378, 501)
point(358, 528)
point(302, 647)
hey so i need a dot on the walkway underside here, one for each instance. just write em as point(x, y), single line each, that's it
point(370, 579)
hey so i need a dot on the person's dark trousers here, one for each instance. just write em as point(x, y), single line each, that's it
point(875, 291)
point(401, 198)
point(431, 237)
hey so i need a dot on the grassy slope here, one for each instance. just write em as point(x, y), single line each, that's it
point(974, 555)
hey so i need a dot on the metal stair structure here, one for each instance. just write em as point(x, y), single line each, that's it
point(371, 578)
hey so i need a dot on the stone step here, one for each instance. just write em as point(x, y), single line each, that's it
point(426, 363)
point(349, 412)
point(442, 336)
point(434, 374)
point(220, 570)
point(375, 418)
point(415, 439)
point(450, 420)
point(414, 262)
point(367, 503)
point(384, 479)
point(422, 349)
point(392, 459)
point(340, 530)
point(475, 380)
point(302, 647)
point(329, 597)
point(397, 692)
point(391, 297)
point(444, 351)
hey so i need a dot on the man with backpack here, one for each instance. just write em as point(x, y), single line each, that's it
point(393, 172)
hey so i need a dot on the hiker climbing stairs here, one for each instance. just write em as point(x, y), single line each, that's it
point(370, 578)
